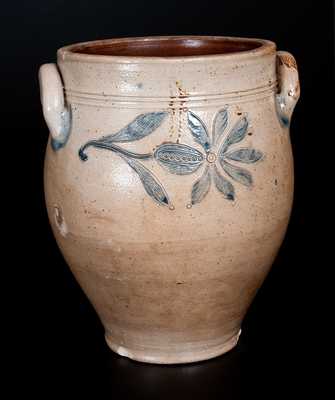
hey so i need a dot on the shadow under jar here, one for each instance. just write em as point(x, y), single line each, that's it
point(169, 183)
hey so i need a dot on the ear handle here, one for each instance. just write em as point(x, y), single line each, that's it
point(56, 113)
point(289, 88)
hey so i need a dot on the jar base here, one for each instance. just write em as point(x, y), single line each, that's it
point(181, 357)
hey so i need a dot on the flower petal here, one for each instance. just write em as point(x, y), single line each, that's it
point(178, 159)
point(201, 187)
point(198, 130)
point(237, 134)
point(139, 128)
point(151, 184)
point(220, 124)
point(238, 174)
point(223, 185)
point(245, 155)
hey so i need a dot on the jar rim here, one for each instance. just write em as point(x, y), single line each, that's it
point(166, 49)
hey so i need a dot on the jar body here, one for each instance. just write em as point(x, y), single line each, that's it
point(169, 206)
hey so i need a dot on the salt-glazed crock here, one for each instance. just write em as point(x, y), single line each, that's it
point(169, 183)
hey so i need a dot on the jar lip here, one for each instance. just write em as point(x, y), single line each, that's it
point(167, 49)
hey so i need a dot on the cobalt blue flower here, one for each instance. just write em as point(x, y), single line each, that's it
point(181, 159)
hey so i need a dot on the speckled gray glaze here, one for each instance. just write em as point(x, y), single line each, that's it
point(169, 185)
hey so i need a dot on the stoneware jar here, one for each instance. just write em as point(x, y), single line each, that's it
point(169, 183)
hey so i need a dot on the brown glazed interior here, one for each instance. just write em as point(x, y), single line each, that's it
point(167, 47)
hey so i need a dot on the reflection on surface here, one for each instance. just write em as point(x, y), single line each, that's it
point(221, 375)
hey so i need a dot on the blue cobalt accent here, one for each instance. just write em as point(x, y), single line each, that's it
point(201, 187)
point(245, 155)
point(284, 121)
point(198, 130)
point(238, 174)
point(223, 185)
point(140, 127)
point(66, 118)
point(182, 159)
point(112, 147)
point(151, 184)
point(178, 159)
point(220, 125)
point(237, 134)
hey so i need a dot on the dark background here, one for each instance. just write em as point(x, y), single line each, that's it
point(59, 344)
